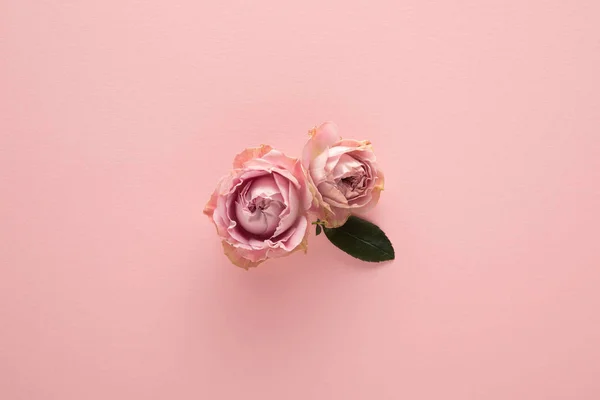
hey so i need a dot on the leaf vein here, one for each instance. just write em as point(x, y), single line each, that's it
point(364, 241)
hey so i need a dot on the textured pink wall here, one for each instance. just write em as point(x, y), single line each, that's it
point(118, 117)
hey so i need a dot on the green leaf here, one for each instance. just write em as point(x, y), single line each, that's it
point(318, 230)
point(361, 239)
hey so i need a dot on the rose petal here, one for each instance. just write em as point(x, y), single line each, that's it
point(249, 154)
point(297, 234)
point(307, 187)
point(321, 138)
point(290, 197)
point(317, 168)
point(270, 168)
point(374, 195)
point(347, 166)
point(338, 217)
point(332, 195)
point(241, 258)
point(279, 159)
point(263, 186)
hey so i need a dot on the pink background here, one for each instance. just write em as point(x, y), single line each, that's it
point(118, 117)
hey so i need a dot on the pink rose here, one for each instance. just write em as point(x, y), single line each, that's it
point(345, 173)
point(260, 209)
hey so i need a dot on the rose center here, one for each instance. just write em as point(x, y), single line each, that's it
point(261, 204)
point(259, 207)
point(351, 181)
point(352, 186)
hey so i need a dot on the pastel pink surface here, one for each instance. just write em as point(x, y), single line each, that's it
point(117, 118)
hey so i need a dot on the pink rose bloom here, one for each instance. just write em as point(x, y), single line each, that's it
point(345, 173)
point(260, 209)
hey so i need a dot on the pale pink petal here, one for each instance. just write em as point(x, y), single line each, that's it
point(249, 154)
point(298, 234)
point(220, 216)
point(371, 202)
point(321, 139)
point(361, 200)
point(372, 197)
point(317, 168)
point(279, 159)
point(361, 150)
point(364, 153)
point(273, 217)
point(346, 166)
point(375, 193)
point(249, 174)
point(380, 181)
point(210, 206)
point(259, 164)
point(270, 168)
point(336, 210)
point(330, 165)
point(355, 144)
point(316, 206)
point(337, 150)
point(264, 186)
point(332, 195)
point(238, 234)
point(239, 256)
point(290, 197)
point(233, 229)
point(307, 187)
point(337, 217)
